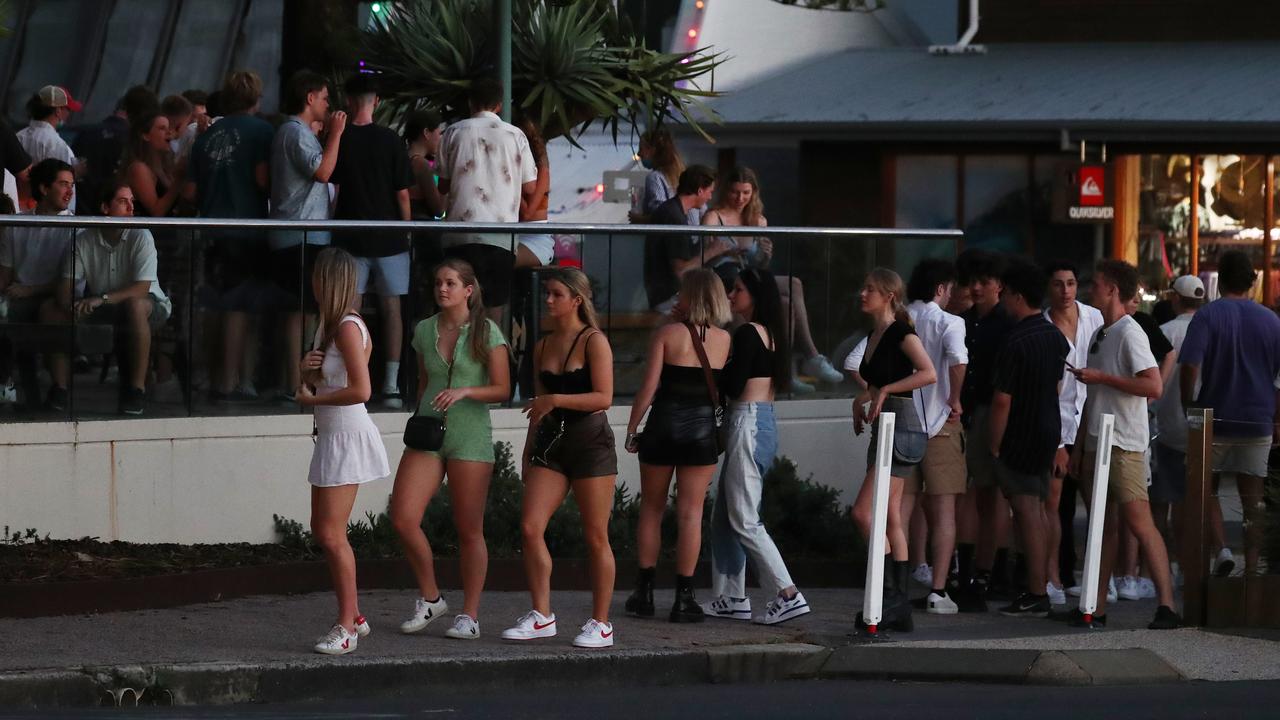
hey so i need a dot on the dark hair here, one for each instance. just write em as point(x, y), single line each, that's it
point(767, 310)
point(1123, 275)
point(214, 104)
point(176, 105)
point(6, 205)
point(110, 188)
point(419, 121)
point(44, 173)
point(359, 85)
point(36, 109)
point(1025, 278)
point(1057, 266)
point(666, 157)
point(241, 91)
point(537, 146)
point(302, 84)
point(196, 97)
point(927, 276)
point(695, 178)
point(1235, 272)
point(983, 264)
point(139, 100)
point(485, 93)
point(137, 149)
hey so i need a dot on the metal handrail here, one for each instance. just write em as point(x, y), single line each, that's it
point(76, 221)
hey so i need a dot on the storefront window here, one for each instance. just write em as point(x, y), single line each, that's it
point(1164, 218)
point(1233, 208)
point(925, 192)
point(996, 208)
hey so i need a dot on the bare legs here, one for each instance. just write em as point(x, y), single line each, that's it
point(1053, 531)
point(330, 511)
point(894, 531)
point(796, 314)
point(692, 482)
point(941, 510)
point(544, 491)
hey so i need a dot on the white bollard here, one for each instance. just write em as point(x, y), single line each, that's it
point(1089, 584)
point(873, 600)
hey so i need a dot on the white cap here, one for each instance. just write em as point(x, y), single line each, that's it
point(1189, 286)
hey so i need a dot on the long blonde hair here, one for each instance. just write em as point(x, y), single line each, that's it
point(335, 278)
point(704, 297)
point(890, 284)
point(754, 210)
point(579, 286)
point(475, 307)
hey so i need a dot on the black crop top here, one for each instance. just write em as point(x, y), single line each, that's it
point(574, 382)
point(889, 364)
point(748, 358)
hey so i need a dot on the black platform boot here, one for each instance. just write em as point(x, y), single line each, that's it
point(686, 608)
point(640, 604)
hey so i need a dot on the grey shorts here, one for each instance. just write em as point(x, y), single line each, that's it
point(1246, 456)
point(1015, 482)
point(390, 274)
point(977, 453)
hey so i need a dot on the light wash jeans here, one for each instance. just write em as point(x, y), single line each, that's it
point(736, 529)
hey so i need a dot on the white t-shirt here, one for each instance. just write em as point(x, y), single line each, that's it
point(1123, 350)
point(103, 268)
point(35, 253)
point(1074, 393)
point(942, 335)
point(853, 360)
point(1171, 419)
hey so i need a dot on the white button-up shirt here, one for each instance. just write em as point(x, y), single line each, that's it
point(485, 161)
point(942, 335)
point(1074, 393)
point(42, 141)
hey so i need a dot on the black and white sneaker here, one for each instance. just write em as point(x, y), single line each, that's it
point(781, 609)
point(1028, 605)
point(728, 608)
point(424, 612)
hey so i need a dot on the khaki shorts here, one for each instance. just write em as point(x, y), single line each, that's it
point(943, 470)
point(1128, 480)
point(979, 461)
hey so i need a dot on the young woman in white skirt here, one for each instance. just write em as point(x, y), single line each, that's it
point(349, 450)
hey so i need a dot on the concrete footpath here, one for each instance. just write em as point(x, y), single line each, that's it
point(258, 650)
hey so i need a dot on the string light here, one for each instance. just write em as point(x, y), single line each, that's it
point(600, 188)
point(699, 4)
point(377, 7)
point(693, 32)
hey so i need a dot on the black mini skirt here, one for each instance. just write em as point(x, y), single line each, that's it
point(679, 433)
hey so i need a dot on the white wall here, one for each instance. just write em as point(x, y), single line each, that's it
point(194, 480)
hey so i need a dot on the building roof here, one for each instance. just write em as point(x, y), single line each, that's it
point(1139, 90)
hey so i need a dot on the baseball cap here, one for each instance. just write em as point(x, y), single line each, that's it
point(57, 96)
point(1189, 286)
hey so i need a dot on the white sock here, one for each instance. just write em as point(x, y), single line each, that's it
point(390, 382)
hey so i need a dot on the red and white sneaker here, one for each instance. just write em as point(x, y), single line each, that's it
point(362, 626)
point(337, 642)
point(595, 634)
point(531, 626)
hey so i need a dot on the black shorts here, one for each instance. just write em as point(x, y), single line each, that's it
point(679, 433)
point(1016, 482)
point(586, 450)
point(494, 266)
point(291, 270)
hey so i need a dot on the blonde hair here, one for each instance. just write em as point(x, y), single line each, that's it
point(754, 210)
point(475, 307)
point(704, 297)
point(666, 158)
point(579, 286)
point(890, 284)
point(335, 278)
point(241, 91)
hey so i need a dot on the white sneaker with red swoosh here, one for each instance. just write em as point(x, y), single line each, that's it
point(595, 634)
point(531, 626)
point(337, 642)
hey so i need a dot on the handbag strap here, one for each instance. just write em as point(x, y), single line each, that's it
point(706, 365)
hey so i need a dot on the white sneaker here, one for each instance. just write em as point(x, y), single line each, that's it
point(337, 642)
point(819, 367)
point(1075, 591)
point(530, 626)
point(392, 400)
point(1112, 595)
point(923, 574)
point(728, 608)
point(423, 614)
point(362, 626)
point(8, 394)
point(1129, 588)
point(1147, 588)
point(800, 387)
point(781, 609)
point(942, 604)
point(464, 627)
point(595, 634)
point(1224, 563)
point(1175, 574)
point(1055, 593)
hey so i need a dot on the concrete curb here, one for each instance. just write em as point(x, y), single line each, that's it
point(319, 678)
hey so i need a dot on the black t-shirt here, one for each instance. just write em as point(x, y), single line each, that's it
point(1160, 345)
point(1029, 368)
point(748, 358)
point(889, 363)
point(373, 167)
point(660, 282)
point(984, 336)
point(12, 157)
point(101, 147)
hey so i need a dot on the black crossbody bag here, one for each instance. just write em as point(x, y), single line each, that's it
point(424, 432)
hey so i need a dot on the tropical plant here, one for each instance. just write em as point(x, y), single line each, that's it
point(572, 65)
point(845, 5)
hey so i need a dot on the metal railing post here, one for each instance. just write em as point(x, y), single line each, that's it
point(1193, 553)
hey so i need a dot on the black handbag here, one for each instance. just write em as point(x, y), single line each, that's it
point(717, 404)
point(550, 430)
point(424, 432)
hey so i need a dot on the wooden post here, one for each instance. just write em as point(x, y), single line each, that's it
point(1193, 554)
point(1126, 179)
point(1194, 230)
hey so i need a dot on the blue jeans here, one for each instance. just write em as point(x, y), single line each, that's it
point(736, 529)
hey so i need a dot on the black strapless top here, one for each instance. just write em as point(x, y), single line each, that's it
point(684, 384)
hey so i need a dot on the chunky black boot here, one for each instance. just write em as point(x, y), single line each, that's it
point(640, 604)
point(897, 604)
point(686, 608)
